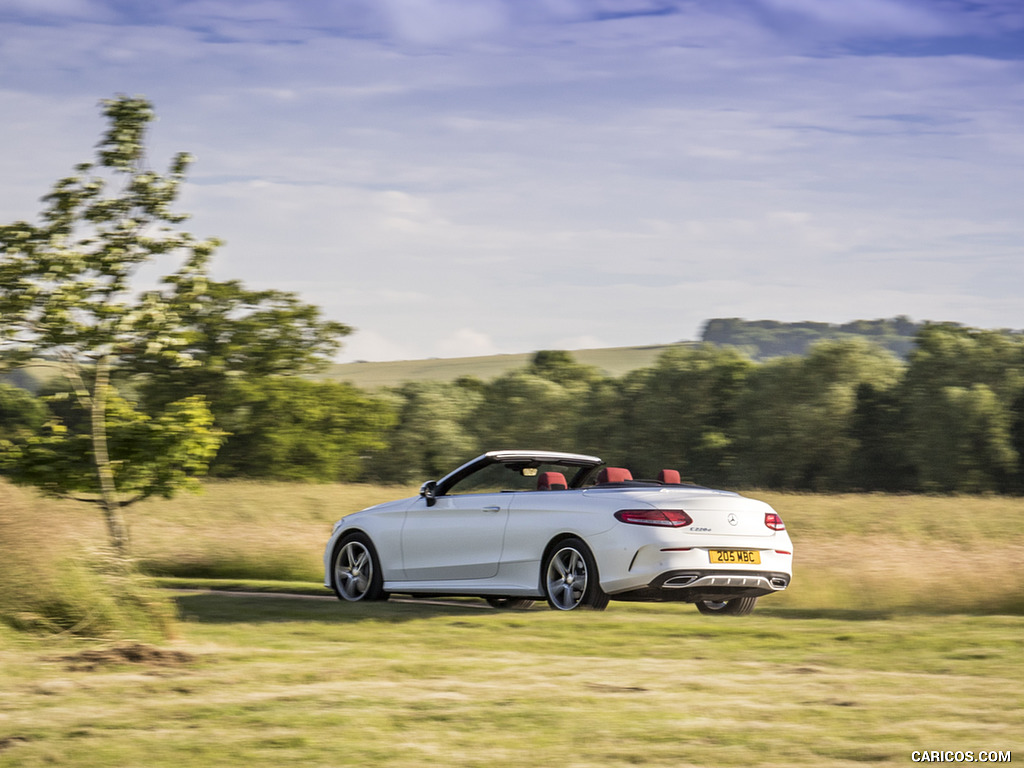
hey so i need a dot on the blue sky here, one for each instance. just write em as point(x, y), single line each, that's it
point(459, 177)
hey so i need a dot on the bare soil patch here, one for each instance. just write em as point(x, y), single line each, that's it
point(126, 653)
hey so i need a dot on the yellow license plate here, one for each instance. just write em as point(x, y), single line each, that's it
point(735, 556)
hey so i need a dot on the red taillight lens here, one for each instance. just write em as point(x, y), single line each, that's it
point(773, 521)
point(668, 518)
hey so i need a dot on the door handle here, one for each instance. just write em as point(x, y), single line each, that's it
point(492, 509)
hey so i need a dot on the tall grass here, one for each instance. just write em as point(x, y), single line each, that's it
point(53, 581)
point(871, 553)
point(881, 553)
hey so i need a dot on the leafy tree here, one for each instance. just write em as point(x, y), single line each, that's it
point(521, 409)
point(431, 434)
point(794, 423)
point(681, 413)
point(288, 428)
point(67, 290)
point(948, 354)
point(21, 417)
point(561, 367)
point(878, 429)
point(149, 454)
point(960, 391)
point(966, 445)
point(232, 333)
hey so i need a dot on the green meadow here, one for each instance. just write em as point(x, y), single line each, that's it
point(903, 631)
point(612, 361)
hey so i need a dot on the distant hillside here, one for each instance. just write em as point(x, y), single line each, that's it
point(614, 361)
point(760, 339)
point(763, 339)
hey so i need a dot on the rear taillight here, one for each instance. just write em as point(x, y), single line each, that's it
point(773, 521)
point(669, 518)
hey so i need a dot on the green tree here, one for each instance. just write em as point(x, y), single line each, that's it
point(21, 417)
point(523, 410)
point(681, 413)
point(795, 419)
point(232, 334)
point(960, 392)
point(67, 290)
point(288, 428)
point(966, 444)
point(149, 454)
point(561, 367)
point(878, 429)
point(431, 434)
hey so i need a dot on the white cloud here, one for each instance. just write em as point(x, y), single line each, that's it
point(467, 342)
point(371, 346)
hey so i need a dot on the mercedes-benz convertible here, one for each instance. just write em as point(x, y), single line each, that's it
point(516, 526)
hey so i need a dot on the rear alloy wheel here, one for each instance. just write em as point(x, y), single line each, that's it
point(570, 578)
point(357, 573)
point(740, 606)
point(509, 603)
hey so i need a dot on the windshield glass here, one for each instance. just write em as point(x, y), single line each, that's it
point(500, 477)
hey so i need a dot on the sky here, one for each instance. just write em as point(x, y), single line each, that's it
point(474, 177)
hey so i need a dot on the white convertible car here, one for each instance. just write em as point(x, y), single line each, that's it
point(513, 526)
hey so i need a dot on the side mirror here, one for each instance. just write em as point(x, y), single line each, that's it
point(429, 492)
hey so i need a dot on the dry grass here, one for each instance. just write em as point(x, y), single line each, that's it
point(55, 581)
point(868, 552)
point(270, 682)
point(891, 552)
point(871, 552)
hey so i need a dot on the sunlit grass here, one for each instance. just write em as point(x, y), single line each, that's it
point(54, 581)
point(845, 668)
point(278, 681)
point(873, 552)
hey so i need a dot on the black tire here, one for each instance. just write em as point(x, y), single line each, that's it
point(356, 574)
point(740, 606)
point(570, 578)
point(510, 603)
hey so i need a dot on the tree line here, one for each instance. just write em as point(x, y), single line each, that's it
point(764, 339)
point(849, 415)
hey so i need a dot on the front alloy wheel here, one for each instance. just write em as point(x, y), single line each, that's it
point(357, 571)
point(570, 578)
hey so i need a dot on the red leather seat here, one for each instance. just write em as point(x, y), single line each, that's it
point(551, 481)
point(669, 477)
point(613, 475)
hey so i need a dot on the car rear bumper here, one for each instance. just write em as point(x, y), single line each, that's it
point(689, 586)
point(673, 573)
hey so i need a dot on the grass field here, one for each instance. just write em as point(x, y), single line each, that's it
point(272, 681)
point(613, 361)
point(880, 553)
point(903, 631)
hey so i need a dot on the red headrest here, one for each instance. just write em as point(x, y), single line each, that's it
point(551, 481)
point(669, 476)
point(613, 475)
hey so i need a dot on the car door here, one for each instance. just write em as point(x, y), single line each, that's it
point(459, 537)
